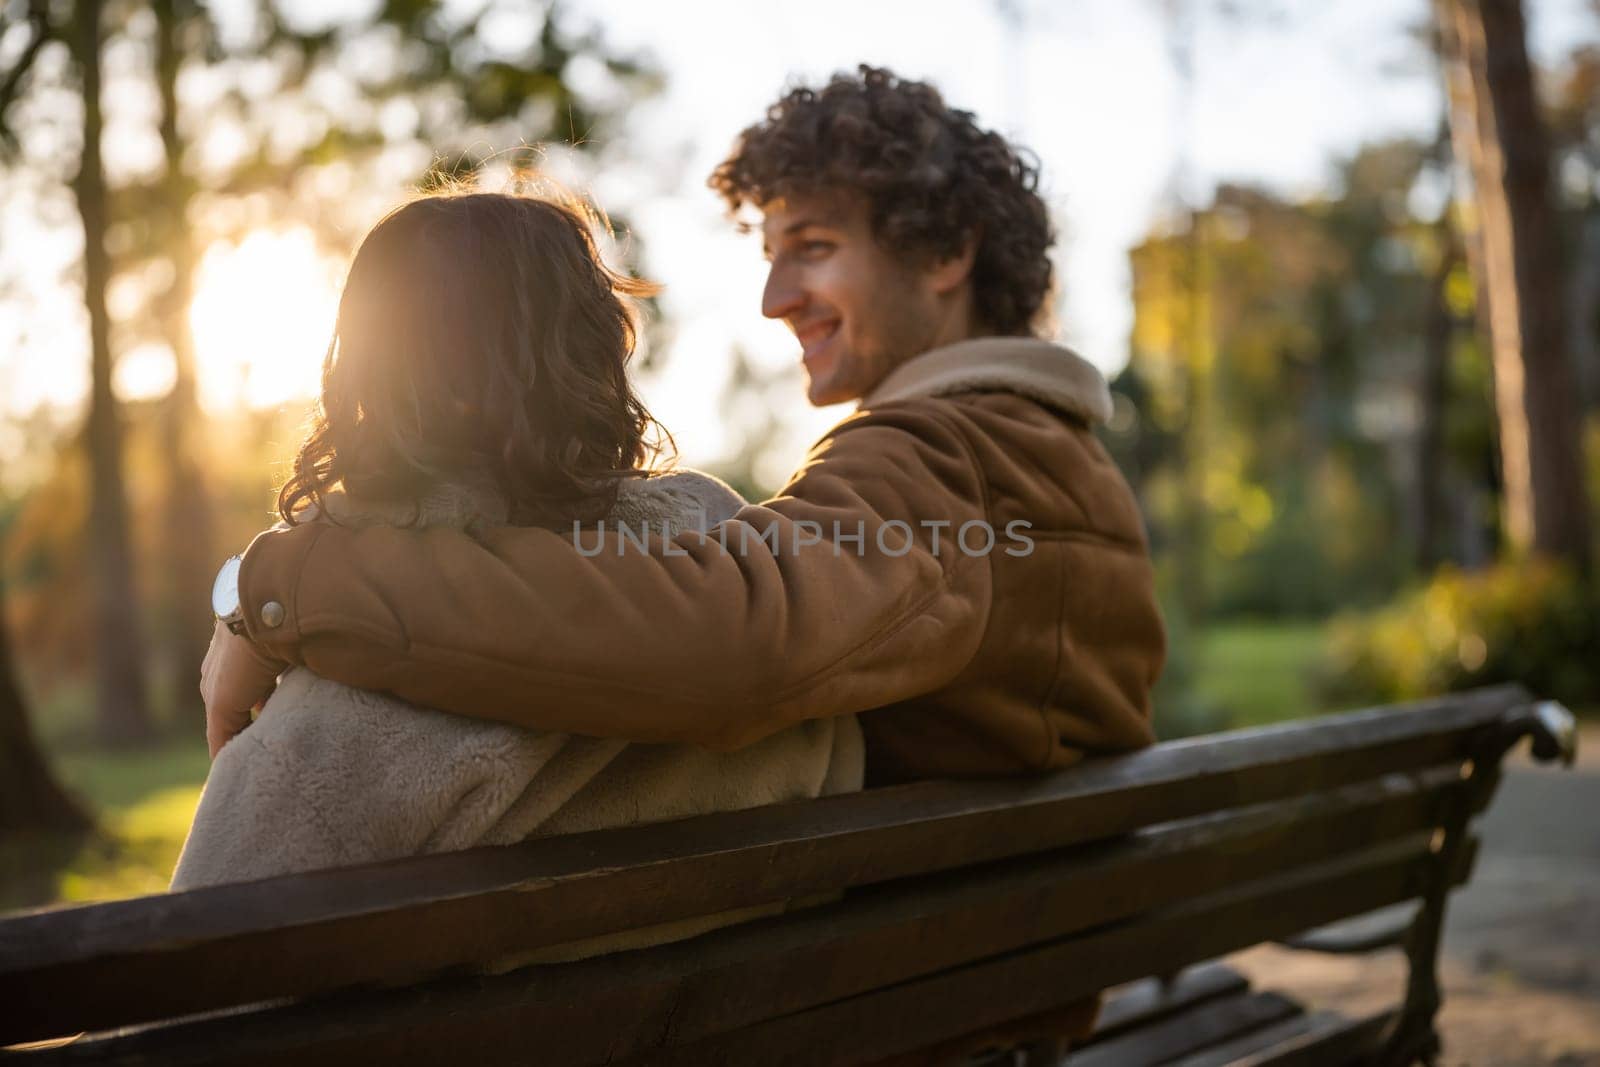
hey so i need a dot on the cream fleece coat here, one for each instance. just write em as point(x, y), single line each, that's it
point(329, 775)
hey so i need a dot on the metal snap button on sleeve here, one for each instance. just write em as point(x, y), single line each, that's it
point(272, 614)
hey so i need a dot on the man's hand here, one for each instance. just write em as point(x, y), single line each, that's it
point(235, 679)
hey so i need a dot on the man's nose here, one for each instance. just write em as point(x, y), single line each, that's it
point(781, 297)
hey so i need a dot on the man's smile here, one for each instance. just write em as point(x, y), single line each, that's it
point(814, 337)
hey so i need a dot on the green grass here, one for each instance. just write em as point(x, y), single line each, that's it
point(143, 800)
point(123, 780)
point(1259, 672)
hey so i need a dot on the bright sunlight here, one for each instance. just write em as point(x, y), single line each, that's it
point(263, 312)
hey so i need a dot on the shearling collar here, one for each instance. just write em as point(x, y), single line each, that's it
point(1041, 370)
point(680, 499)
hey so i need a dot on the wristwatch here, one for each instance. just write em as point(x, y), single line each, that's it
point(225, 596)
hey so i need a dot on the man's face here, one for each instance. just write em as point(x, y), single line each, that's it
point(857, 311)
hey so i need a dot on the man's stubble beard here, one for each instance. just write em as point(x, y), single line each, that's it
point(894, 321)
point(905, 331)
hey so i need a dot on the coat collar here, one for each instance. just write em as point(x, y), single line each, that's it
point(1040, 370)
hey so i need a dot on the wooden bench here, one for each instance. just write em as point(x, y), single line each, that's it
point(952, 910)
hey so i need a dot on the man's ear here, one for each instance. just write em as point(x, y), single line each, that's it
point(946, 275)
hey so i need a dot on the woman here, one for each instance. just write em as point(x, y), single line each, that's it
point(477, 377)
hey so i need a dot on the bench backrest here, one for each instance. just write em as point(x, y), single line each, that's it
point(970, 903)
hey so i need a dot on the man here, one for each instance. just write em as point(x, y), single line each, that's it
point(958, 560)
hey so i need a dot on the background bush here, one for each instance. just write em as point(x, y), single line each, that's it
point(1531, 622)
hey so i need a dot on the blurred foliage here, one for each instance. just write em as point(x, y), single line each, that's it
point(1529, 621)
point(42, 536)
point(281, 116)
point(326, 122)
point(1261, 671)
point(1533, 622)
point(1182, 705)
point(1270, 402)
point(145, 800)
point(1282, 415)
point(1274, 414)
point(328, 111)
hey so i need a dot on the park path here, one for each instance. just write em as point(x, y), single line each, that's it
point(1521, 960)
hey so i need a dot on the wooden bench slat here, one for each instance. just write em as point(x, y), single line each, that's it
point(1151, 999)
point(896, 932)
point(942, 1007)
point(893, 935)
point(1322, 1039)
point(1341, 1043)
point(1200, 1027)
point(1123, 1010)
point(1228, 1053)
point(402, 921)
point(500, 1021)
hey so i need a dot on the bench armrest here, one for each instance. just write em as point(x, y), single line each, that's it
point(1554, 732)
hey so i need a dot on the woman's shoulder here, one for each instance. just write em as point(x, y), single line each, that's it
point(684, 498)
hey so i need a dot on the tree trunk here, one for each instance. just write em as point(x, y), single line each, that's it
point(1586, 309)
point(190, 556)
point(121, 700)
point(1497, 130)
point(1438, 337)
point(1199, 357)
point(30, 799)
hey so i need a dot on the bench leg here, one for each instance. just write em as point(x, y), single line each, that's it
point(1414, 1038)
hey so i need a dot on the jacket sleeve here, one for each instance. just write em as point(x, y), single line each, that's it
point(843, 593)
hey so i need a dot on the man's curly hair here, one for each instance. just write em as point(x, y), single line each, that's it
point(933, 180)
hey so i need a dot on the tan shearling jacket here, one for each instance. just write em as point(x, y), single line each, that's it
point(860, 587)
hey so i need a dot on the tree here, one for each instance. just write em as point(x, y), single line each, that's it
point(1290, 334)
point(1575, 131)
point(438, 67)
point(1439, 327)
point(187, 512)
point(1438, 337)
point(31, 801)
point(327, 161)
point(1515, 252)
point(121, 698)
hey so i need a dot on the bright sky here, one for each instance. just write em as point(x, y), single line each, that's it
point(1089, 85)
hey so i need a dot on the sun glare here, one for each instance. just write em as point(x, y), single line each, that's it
point(262, 315)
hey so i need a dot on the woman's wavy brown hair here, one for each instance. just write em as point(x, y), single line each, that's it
point(480, 339)
point(933, 179)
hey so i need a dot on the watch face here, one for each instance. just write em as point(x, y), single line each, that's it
point(225, 593)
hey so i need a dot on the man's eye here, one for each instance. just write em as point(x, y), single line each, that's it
point(814, 249)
